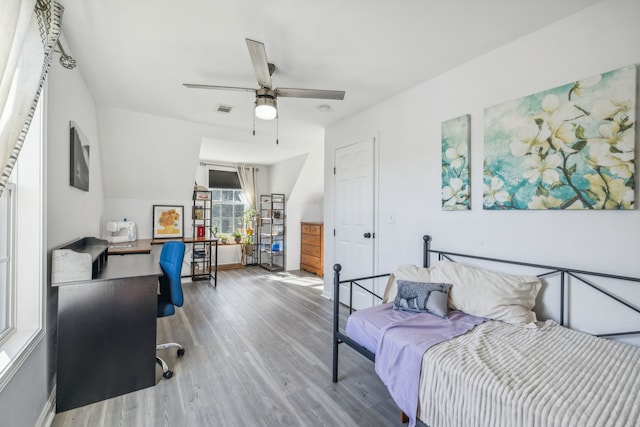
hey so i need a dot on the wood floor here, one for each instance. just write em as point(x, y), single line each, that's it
point(258, 353)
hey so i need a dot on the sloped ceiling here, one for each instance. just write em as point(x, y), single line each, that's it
point(135, 55)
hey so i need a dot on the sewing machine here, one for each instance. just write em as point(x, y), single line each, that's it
point(122, 231)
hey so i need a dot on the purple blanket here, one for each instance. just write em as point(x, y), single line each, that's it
point(365, 326)
point(402, 345)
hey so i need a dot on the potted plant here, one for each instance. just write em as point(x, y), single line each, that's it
point(248, 242)
point(237, 236)
point(250, 216)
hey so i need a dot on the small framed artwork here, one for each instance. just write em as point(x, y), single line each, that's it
point(198, 213)
point(79, 158)
point(456, 137)
point(168, 222)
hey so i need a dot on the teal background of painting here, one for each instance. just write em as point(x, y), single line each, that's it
point(501, 126)
point(456, 134)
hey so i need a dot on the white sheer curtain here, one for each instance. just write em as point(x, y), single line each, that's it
point(29, 31)
point(249, 183)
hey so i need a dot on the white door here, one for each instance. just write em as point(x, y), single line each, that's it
point(354, 217)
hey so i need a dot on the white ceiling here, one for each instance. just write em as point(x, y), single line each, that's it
point(135, 55)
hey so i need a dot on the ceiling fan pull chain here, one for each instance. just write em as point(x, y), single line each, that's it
point(277, 128)
point(254, 125)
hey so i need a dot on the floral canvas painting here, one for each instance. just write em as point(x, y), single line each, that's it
point(572, 147)
point(455, 164)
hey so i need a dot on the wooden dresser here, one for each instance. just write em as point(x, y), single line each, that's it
point(312, 247)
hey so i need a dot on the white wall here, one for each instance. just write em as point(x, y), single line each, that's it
point(148, 157)
point(73, 213)
point(301, 180)
point(598, 39)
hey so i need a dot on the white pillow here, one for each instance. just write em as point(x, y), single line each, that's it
point(493, 295)
point(411, 273)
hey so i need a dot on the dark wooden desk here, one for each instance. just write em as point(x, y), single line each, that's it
point(107, 332)
point(142, 246)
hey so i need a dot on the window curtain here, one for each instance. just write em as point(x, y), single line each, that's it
point(249, 183)
point(29, 31)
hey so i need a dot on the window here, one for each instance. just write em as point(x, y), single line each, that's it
point(7, 225)
point(227, 210)
point(23, 253)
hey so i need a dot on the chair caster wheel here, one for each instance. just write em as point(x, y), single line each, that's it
point(181, 352)
point(167, 374)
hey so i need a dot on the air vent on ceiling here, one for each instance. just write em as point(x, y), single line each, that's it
point(221, 108)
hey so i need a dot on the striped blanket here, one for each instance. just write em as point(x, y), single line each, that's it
point(502, 375)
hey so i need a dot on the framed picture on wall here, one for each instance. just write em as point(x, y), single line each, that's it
point(566, 148)
point(168, 222)
point(79, 158)
point(456, 176)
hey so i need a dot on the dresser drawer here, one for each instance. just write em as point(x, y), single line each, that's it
point(312, 247)
point(311, 229)
point(311, 250)
point(310, 260)
point(310, 239)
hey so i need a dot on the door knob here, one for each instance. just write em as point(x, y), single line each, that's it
point(367, 235)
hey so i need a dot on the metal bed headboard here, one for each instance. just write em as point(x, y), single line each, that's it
point(583, 276)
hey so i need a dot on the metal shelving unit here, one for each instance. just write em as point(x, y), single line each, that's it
point(271, 243)
point(201, 246)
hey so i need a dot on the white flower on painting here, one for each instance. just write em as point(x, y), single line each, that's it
point(550, 103)
point(612, 137)
point(456, 159)
point(560, 126)
point(456, 193)
point(614, 150)
point(610, 192)
point(493, 193)
point(620, 102)
point(544, 202)
point(585, 83)
point(553, 125)
point(619, 163)
point(543, 169)
point(529, 139)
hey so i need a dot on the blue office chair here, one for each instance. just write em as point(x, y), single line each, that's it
point(170, 295)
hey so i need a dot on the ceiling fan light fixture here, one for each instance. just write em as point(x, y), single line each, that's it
point(266, 108)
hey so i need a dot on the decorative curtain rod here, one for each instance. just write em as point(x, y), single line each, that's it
point(225, 165)
point(66, 61)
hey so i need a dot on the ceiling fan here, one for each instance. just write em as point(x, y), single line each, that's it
point(266, 97)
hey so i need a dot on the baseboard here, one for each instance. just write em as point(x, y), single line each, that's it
point(48, 412)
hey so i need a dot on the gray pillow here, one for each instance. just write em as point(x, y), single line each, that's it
point(422, 297)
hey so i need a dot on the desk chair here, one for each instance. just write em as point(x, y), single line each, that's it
point(170, 294)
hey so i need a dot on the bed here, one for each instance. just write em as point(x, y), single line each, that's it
point(487, 360)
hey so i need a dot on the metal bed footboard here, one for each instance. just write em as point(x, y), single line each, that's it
point(339, 336)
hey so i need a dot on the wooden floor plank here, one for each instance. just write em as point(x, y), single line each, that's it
point(258, 353)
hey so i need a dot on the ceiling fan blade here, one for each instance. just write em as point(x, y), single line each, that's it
point(310, 93)
point(198, 86)
point(260, 65)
